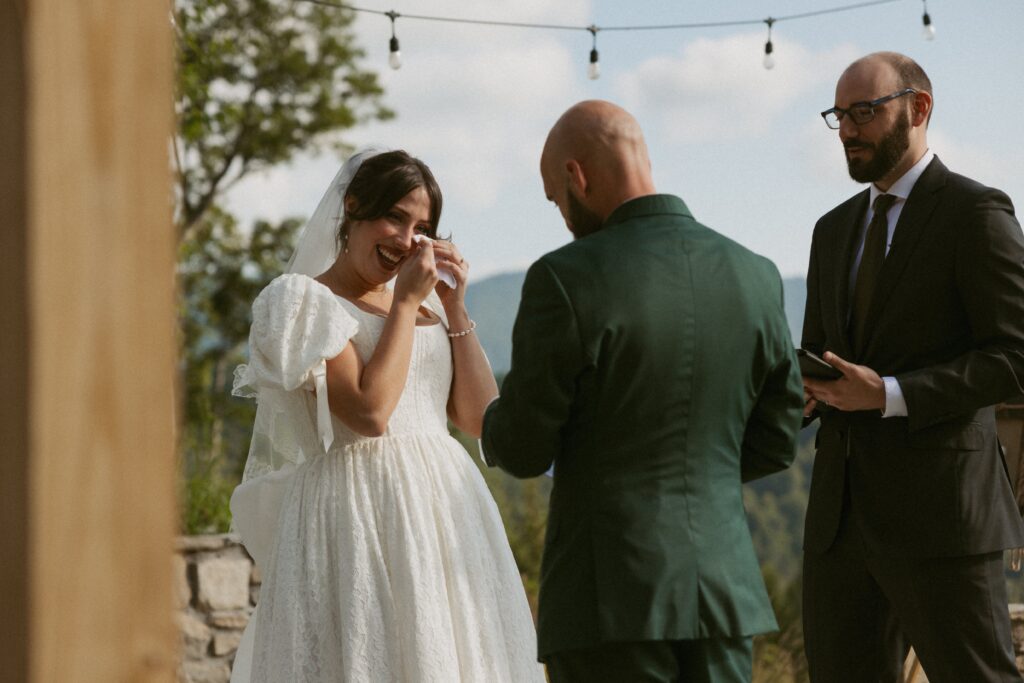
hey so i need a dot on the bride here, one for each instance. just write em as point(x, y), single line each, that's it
point(382, 551)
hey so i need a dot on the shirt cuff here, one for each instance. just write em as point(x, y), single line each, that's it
point(895, 404)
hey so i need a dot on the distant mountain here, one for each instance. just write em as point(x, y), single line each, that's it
point(795, 295)
point(493, 303)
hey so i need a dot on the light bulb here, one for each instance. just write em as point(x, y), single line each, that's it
point(929, 27)
point(594, 70)
point(395, 58)
point(769, 60)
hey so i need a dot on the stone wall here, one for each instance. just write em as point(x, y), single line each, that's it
point(216, 586)
point(1017, 626)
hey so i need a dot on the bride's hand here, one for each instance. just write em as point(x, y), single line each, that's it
point(448, 257)
point(417, 275)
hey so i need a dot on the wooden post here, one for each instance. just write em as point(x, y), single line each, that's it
point(87, 346)
point(13, 347)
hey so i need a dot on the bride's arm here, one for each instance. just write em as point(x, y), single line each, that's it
point(473, 385)
point(364, 396)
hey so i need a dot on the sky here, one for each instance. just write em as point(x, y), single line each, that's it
point(745, 147)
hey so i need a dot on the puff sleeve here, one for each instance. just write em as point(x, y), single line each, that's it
point(297, 324)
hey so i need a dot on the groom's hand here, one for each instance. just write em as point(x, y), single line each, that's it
point(860, 387)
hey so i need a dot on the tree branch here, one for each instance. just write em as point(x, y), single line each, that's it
point(194, 212)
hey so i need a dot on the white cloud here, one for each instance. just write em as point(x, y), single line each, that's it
point(971, 160)
point(819, 155)
point(282, 191)
point(719, 89)
point(474, 119)
point(474, 102)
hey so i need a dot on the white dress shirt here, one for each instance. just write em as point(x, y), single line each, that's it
point(895, 404)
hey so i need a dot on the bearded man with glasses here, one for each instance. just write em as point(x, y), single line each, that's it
point(915, 293)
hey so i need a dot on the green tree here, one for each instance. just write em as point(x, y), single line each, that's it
point(259, 81)
point(220, 272)
point(779, 657)
point(775, 508)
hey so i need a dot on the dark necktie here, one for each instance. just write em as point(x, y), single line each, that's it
point(867, 275)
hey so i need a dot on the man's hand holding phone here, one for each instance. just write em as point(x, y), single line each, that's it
point(832, 381)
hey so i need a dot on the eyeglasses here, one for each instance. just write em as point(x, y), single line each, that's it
point(860, 112)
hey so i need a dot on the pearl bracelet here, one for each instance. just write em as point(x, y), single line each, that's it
point(463, 333)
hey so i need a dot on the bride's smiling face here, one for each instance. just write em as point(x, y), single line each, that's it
point(378, 247)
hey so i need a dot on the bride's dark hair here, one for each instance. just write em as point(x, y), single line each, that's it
point(382, 181)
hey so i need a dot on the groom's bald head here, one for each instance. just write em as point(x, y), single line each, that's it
point(595, 158)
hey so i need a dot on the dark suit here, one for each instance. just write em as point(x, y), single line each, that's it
point(905, 512)
point(651, 363)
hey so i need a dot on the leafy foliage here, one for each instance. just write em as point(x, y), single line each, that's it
point(206, 493)
point(779, 657)
point(775, 512)
point(259, 81)
point(220, 272)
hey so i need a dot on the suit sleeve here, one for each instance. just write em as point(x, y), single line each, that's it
point(522, 430)
point(770, 438)
point(990, 279)
point(813, 335)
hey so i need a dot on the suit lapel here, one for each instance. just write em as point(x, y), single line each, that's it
point(849, 231)
point(909, 229)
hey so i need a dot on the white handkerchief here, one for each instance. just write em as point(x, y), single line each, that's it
point(443, 274)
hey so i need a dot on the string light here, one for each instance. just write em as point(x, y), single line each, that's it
point(394, 53)
point(929, 28)
point(594, 67)
point(769, 60)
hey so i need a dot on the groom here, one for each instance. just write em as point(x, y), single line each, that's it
point(652, 365)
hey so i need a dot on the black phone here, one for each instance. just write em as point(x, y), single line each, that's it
point(811, 365)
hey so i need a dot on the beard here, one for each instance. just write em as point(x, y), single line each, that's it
point(582, 221)
point(887, 153)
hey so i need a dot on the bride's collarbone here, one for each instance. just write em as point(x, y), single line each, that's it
point(424, 316)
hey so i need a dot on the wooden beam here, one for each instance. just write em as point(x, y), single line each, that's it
point(14, 341)
point(88, 340)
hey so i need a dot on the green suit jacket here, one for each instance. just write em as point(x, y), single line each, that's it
point(653, 366)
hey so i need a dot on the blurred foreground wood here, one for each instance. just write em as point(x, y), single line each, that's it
point(87, 346)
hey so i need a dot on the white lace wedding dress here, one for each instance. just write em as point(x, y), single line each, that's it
point(385, 558)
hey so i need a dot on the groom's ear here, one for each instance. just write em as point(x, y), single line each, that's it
point(577, 177)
